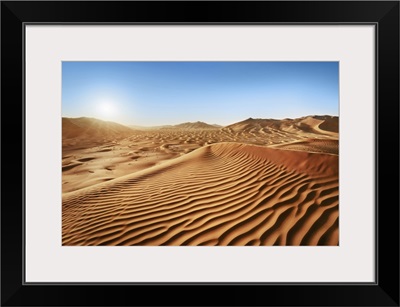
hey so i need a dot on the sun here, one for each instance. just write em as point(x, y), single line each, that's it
point(107, 110)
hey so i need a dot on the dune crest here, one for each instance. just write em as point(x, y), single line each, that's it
point(221, 194)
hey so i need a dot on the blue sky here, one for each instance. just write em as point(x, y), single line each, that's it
point(164, 93)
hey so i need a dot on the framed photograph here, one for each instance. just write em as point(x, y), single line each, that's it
point(243, 153)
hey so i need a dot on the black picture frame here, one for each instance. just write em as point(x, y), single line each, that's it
point(383, 14)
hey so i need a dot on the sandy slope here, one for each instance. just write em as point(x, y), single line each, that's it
point(312, 145)
point(95, 151)
point(84, 132)
point(220, 194)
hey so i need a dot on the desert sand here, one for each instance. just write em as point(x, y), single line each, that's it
point(255, 182)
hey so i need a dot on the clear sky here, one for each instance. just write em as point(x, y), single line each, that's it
point(164, 93)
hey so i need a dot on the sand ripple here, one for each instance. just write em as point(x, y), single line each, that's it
point(221, 194)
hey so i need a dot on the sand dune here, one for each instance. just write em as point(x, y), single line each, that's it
point(82, 168)
point(226, 193)
point(84, 132)
point(195, 125)
point(255, 182)
point(274, 131)
point(312, 145)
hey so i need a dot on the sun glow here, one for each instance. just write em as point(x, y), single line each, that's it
point(107, 110)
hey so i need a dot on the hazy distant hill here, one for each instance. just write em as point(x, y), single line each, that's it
point(195, 125)
point(85, 131)
point(185, 126)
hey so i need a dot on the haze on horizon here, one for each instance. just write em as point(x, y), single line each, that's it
point(169, 93)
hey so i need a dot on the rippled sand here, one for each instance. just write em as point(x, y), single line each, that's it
point(257, 182)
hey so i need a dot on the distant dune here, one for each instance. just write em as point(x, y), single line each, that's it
point(85, 131)
point(222, 194)
point(312, 145)
point(255, 182)
point(310, 124)
point(195, 125)
point(188, 126)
